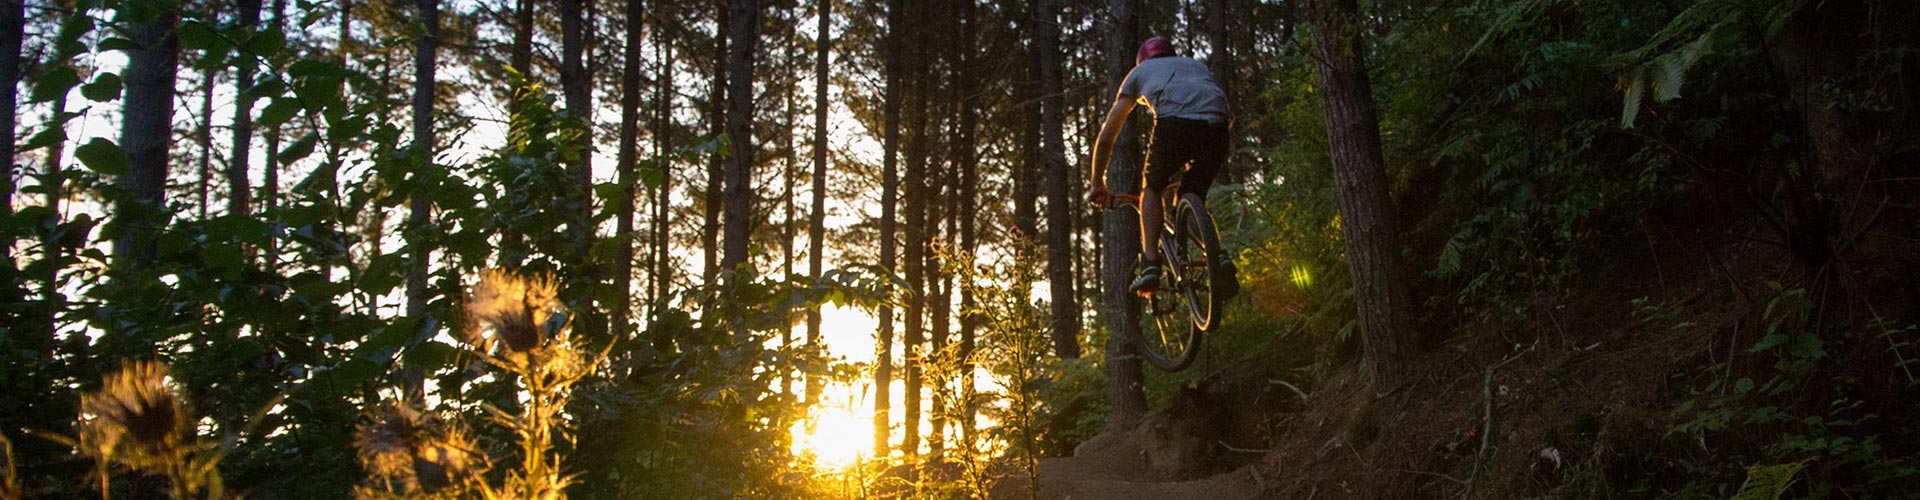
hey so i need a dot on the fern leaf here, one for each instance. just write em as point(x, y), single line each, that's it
point(1768, 482)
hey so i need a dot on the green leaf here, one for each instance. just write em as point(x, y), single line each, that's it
point(1768, 482)
point(45, 137)
point(279, 111)
point(120, 44)
point(103, 156)
point(267, 43)
point(55, 83)
point(430, 356)
point(299, 149)
point(653, 173)
point(105, 87)
point(195, 36)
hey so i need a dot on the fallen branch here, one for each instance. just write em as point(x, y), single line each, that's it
point(1486, 420)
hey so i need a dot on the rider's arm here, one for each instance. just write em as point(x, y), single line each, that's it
point(1103, 146)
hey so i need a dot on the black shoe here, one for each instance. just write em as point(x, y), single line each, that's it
point(1148, 281)
point(1228, 282)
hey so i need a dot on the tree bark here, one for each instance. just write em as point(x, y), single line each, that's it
point(743, 29)
point(204, 137)
point(967, 199)
point(663, 145)
point(12, 31)
point(1065, 307)
point(576, 82)
point(1366, 215)
point(629, 159)
point(889, 197)
point(513, 247)
point(817, 212)
point(716, 180)
point(239, 182)
point(913, 352)
point(145, 132)
point(270, 177)
point(1122, 240)
point(425, 58)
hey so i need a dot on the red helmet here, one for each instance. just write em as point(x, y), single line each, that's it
point(1153, 47)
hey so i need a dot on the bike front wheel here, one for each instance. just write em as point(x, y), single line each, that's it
point(1183, 310)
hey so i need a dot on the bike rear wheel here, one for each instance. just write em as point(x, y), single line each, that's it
point(1186, 308)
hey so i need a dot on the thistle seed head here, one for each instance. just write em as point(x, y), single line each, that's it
point(512, 310)
point(385, 438)
point(137, 416)
point(447, 461)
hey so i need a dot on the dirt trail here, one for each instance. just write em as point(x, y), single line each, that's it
point(1117, 469)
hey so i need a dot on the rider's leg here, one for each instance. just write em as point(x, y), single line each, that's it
point(1150, 215)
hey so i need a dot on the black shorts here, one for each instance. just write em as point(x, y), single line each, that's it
point(1197, 146)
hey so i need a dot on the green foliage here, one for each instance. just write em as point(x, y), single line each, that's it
point(1840, 440)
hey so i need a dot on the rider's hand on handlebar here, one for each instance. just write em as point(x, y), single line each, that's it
point(1099, 196)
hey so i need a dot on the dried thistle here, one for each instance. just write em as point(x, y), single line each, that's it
point(451, 460)
point(513, 310)
point(385, 439)
point(136, 418)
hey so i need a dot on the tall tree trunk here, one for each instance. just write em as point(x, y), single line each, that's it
point(239, 183)
point(12, 31)
point(967, 195)
point(1366, 215)
point(1221, 60)
point(146, 129)
point(50, 244)
point(1122, 239)
point(889, 197)
point(513, 247)
point(1026, 174)
point(913, 353)
point(662, 139)
point(576, 81)
point(1065, 308)
point(629, 159)
point(204, 137)
point(743, 29)
point(270, 178)
point(425, 58)
point(817, 212)
point(716, 168)
point(790, 158)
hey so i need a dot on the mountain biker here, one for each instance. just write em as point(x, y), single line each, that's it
point(1190, 130)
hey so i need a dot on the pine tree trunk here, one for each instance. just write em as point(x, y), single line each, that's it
point(1122, 239)
point(1065, 308)
point(967, 196)
point(513, 247)
point(629, 158)
point(1366, 215)
point(716, 168)
point(663, 145)
point(743, 29)
point(239, 182)
point(889, 198)
point(913, 352)
point(145, 132)
point(1220, 58)
point(204, 137)
point(426, 57)
point(55, 302)
point(576, 82)
point(12, 30)
point(817, 212)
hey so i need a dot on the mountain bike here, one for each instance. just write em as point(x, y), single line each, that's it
point(1185, 306)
